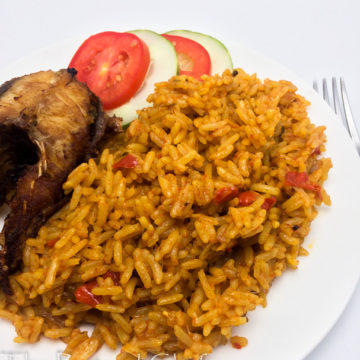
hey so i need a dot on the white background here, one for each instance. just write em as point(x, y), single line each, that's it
point(314, 38)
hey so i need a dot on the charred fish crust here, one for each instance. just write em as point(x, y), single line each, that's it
point(16, 153)
point(72, 71)
point(97, 128)
point(5, 285)
point(7, 85)
point(39, 147)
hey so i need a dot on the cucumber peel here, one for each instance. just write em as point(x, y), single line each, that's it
point(219, 54)
point(163, 65)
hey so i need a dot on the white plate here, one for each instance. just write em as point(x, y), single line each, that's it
point(303, 305)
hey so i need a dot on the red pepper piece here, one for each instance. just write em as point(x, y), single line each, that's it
point(246, 198)
point(225, 194)
point(269, 203)
point(84, 295)
point(51, 243)
point(115, 276)
point(315, 188)
point(127, 162)
point(293, 178)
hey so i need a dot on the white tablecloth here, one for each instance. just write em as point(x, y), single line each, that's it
point(315, 38)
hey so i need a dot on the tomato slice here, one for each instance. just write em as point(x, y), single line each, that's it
point(193, 58)
point(113, 65)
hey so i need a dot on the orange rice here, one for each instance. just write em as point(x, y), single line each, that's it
point(190, 259)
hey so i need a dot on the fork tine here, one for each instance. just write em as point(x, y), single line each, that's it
point(335, 95)
point(349, 117)
point(325, 91)
point(315, 86)
point(338, 108)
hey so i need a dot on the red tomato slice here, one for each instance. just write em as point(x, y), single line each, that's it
point(113, 65)
point(193, 58)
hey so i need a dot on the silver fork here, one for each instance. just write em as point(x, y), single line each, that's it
point(340, 105)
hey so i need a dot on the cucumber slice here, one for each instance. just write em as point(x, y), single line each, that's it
point(163, 65)
point(219, 54)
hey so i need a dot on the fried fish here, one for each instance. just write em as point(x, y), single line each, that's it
point(49, 123)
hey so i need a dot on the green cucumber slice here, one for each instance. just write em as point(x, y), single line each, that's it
point(219, 54)
point(163, 65)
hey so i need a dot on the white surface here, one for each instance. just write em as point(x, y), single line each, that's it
point(314, 39)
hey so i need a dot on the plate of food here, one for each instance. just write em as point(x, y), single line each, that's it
point(208, 216)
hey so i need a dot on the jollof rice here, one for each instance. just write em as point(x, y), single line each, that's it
point(178, 245)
